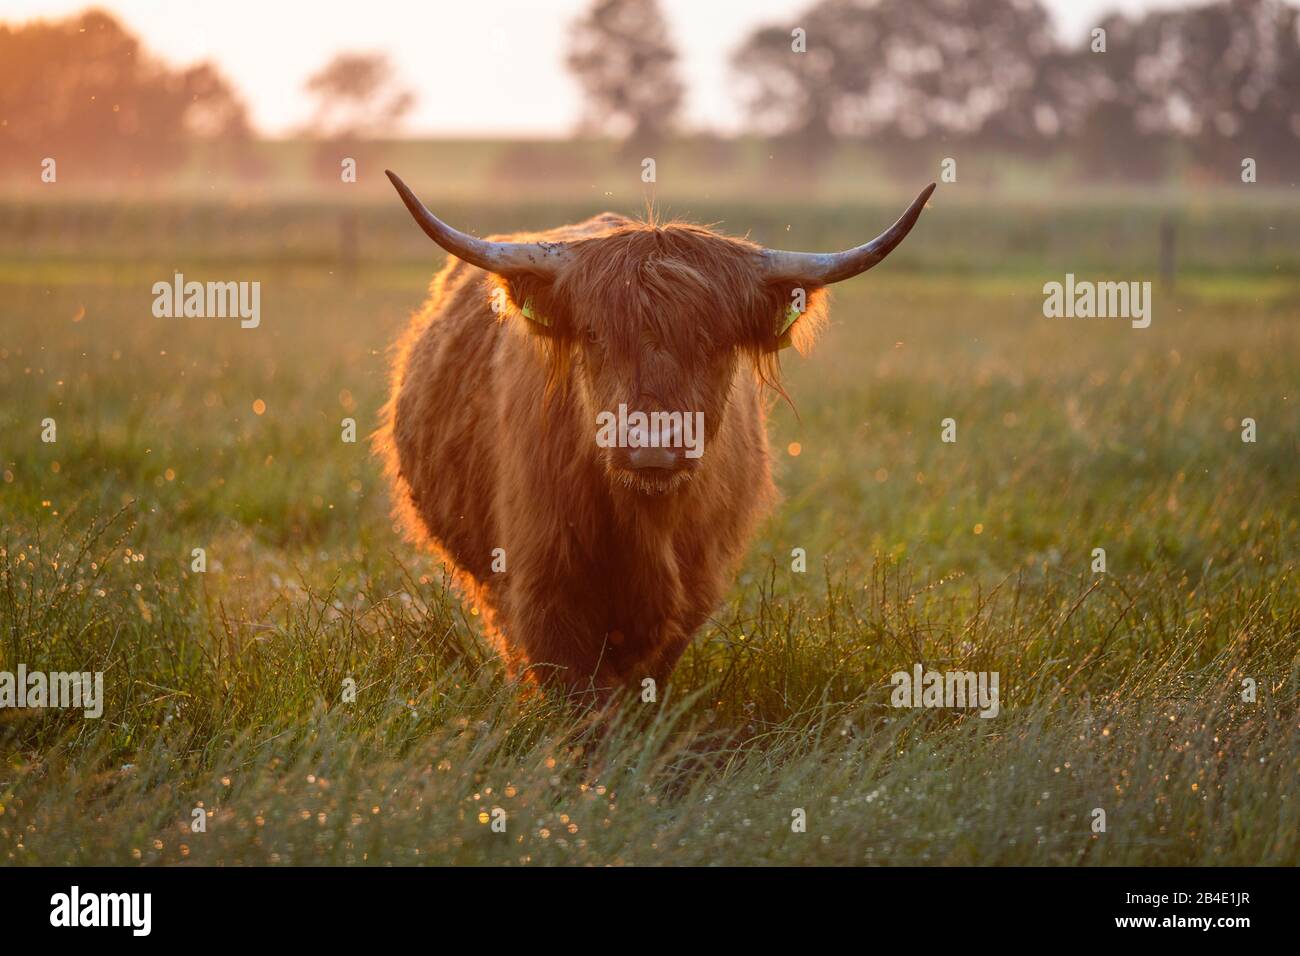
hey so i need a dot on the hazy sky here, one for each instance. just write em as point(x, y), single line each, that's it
point(493, 67)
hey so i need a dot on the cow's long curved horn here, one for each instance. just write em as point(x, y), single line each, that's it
point(543, 258)
point(823, 268)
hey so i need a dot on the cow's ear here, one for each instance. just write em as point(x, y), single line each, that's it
point(799, 316)
point(530, 300)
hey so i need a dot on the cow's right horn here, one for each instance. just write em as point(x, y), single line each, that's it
point(504, 258)
point(823, 268)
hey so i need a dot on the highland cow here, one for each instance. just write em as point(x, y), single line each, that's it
point(596, 561)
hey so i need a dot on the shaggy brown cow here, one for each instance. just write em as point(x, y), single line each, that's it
point(597, 561)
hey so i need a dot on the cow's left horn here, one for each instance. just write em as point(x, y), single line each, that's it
point(543, 258)
point(823, 268)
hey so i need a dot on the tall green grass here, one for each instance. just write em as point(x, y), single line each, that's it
point(1120, 691)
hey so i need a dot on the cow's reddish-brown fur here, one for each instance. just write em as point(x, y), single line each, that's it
point(489, 442)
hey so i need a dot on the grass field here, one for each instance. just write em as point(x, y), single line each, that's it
point(1120, 691)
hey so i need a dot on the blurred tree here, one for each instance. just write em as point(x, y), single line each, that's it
point(1214, 83)
point(1241, 73)
point(900, 71)
point(83, 91)
point(622, 56)
point(1222, 78)
point(1113, 125)
point(358, 98)
point(1217, 82)
point(788, 93)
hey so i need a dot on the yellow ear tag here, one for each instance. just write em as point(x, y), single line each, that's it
point(783, 337)
point(528, 314)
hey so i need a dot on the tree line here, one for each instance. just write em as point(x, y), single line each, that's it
point(1203, 85)
point(1200, 86)
point(85, 90)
